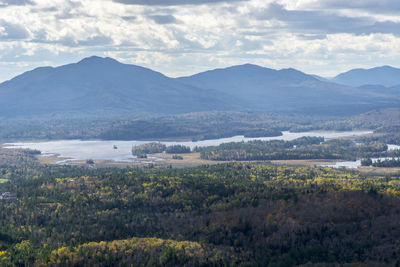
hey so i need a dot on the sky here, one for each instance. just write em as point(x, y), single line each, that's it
point(183, 37)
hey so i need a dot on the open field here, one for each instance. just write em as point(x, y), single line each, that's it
point(362, 169)
point(48, 159)
point(159, 159)
point(194, 160)
point(189, 160)
point(304, 162)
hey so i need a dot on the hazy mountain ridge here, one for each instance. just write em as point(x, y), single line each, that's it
point(97, 84)
point(106, 87)
point(385, 75)
point(282, 90)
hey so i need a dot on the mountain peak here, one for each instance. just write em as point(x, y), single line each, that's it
point(385, 67)
point(291, 70)
point(243, 69)
point(103, 86)
point(97, 60)
point(249, 65)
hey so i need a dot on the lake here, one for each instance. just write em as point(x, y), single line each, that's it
point(104, 150)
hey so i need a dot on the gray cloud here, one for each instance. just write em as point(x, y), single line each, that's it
point(4, 3)
point(322, 22)
point(164, 19)
point(175, 34)
point(13, 31)
point(129, 18)
point(95, 41)
point(171, 2)
point(386, 6)
point(47, 9)
point(312, 36)
point(71, 41)
point(71, 10)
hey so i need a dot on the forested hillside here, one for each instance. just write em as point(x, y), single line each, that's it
point(232, 214)
point(198, 126)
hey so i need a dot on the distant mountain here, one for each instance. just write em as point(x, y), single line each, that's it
point(393, 91)
point(106, 87)
point(283, 90)
point(385, 75)
point(322, 79)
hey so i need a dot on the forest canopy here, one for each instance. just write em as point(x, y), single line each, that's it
point(230, 214)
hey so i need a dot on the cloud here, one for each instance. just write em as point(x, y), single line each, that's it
point(12, 31)
point(312, 36)
point(385, 6)
point(129, 18)
point(323, 22)
point(171, 2)
point(75, 41)
point(97, 40)
point(181, 37)
point(4, 3)
point(163, 19)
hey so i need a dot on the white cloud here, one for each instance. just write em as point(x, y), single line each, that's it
point(179, 38)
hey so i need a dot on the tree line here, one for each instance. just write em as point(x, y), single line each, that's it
point(301, 148)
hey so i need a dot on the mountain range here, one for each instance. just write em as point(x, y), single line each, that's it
point(284, 90)
point(102, 86)
point(385, 76)
point(105, 87)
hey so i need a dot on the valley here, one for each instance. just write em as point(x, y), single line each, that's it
point(238, 166)
point(199, 133)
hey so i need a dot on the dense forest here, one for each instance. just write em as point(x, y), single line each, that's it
point(387, 163)
point(196, 126)
point(301, 148)
point(235, 214)
point(141, 151)
point(380, 120)
point(177, 149)
point(388, 138)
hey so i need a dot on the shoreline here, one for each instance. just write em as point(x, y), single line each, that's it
point(78, 151)
point(182, 139)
